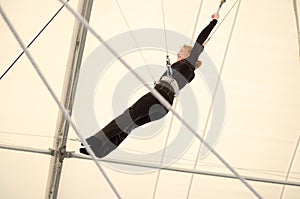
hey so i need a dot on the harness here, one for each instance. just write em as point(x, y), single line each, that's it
point(171, 81)
point(168, 78)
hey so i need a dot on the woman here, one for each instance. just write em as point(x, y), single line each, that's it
point(148, 108)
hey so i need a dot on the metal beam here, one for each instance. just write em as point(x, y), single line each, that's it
point(27, 149)
point(68, 94)
point(191, 171)
point(158, 167)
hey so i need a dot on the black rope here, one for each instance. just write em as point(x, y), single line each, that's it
point(15, 61)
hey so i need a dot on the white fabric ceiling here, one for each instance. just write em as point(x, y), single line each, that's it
point(255, 50)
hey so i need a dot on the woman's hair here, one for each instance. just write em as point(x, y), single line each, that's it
point(198, 63)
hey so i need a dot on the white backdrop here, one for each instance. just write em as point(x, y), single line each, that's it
point(259, 58)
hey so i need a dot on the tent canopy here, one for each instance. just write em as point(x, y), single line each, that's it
point(250, 117)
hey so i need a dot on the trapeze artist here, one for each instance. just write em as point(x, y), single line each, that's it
point(148, 108)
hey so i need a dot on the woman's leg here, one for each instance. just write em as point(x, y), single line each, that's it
point(145, 110)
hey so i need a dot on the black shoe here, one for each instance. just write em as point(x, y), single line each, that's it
point(100, 150)
point(83, 150)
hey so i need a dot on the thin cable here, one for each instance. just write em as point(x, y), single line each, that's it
point(164, 151)
point(157, 95)
point(13, 63)
point(190, 171)
point(35, 135)
point(60, 105)
point(197, 19)
point(135, 41)
point(212, 165)
point(290, 166)
point(172, 118)
point(164, 24)
point(214, 94)
point(168, 63)
point(221, 22)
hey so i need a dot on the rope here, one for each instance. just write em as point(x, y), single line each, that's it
point(190, 163)
point(164, 151)
point(221, 22)
point(60, 105)
point(168, 63)
point(163, 101)
point(135, 41)
point(12, 64)
point(164, 24)
point(290, 166)
point(36, 135)
point(191, 171)
point(197, 19)
point(172, 118)
point(214, 95)
point(169, 73)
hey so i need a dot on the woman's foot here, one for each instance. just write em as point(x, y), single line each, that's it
point(99, 149)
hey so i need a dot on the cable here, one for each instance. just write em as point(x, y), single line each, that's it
point(214, 95)
point(194, 30)
point(164, 24)
point(197, 19)
point(155, 93)
point(168, 63)
point(135, 41)
point(221, 22)
point(290, 166)
point(15, 61)
point(175, 104)
point(60, 105)
point(218, 166)
point(164, 150)
point(213, 165)
point(36, 135)
point(191, 171)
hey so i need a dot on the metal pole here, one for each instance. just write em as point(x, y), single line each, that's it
point(153, 166)
point(68, 94)
point(27, 149)
point(190, 171)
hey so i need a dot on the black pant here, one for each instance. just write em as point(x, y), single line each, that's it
point(145, 110)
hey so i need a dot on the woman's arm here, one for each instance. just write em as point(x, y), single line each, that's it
point(206, 31)
point(198, 47)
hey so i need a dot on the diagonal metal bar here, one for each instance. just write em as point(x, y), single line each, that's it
point(161, 99)
point(297, 23)
point(60, 105)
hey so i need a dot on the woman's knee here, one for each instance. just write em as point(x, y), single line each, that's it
point(157, 111)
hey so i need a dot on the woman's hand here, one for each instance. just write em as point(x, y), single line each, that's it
point(215, 16)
